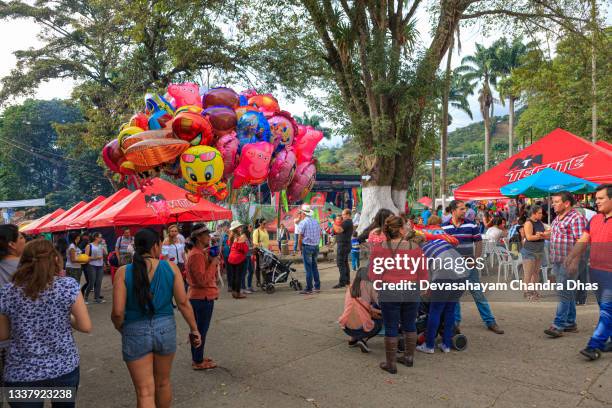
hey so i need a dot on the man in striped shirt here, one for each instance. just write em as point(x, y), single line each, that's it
point(309, 235)
point(470, 247)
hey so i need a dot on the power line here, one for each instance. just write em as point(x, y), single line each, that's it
point(40, 173)
point(17, 144)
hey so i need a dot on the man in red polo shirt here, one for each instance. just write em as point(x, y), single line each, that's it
point(599, 234)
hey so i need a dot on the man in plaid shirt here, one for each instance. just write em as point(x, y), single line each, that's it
point(567, 228)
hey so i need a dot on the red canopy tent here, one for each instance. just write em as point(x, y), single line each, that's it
point(82, 221)
point(159, 203)
point(71, 210)
point(426, 201)
point(63, 224)
point(32, 228)
point(604, 144)
point(559, 150)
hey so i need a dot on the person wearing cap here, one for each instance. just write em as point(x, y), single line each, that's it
point(201, 271)
point(236, 261)
point(309, 235)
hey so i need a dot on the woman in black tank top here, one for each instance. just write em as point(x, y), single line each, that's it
point(533, 248)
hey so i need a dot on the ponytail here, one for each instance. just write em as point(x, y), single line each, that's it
point(144, 240)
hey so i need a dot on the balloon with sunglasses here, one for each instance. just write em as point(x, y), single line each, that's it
point(202, 168)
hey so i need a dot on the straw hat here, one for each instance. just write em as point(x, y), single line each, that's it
point(235, 224)
point(306, 210)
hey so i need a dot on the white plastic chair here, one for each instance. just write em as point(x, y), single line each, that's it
point(544, 270)
point(508, 263)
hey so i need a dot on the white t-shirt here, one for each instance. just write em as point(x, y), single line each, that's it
point(494, 234)
point(176, 251)
point(77, 252)
point(96, 251)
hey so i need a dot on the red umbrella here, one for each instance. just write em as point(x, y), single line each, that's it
point(63, 224)
point(159, 203)
point(32, 228)
point(82, 220)
point(48, 226)
point(426, 201)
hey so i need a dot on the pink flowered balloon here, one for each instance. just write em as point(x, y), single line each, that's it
point(282, 170)
point(228, 146)
point(302, 182)
point(283, 128)
point(306, 142)
point(254, 164)
point(187, 93)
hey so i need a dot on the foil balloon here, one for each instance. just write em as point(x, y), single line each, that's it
point(306, 142)
point(160, 109)
point(129, 140)
point(186, 93)
point(139, 120)
point(202, 168)
point(228, 146)
point(265, 103)
point(127, 131)
point(222, 119)
point(193, 128)
point(283, 128)
point(302, 182)
point(253, 127)
point(188, 108)
point(113, 158)
point(254, 164)
point(220, 97)
point(282, 169)
point(152, 153)
point(241, 110)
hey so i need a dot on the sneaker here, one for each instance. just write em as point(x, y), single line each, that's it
point(352, 343)
point(305, 292)
point(86, 301)
point(590, 353)
point(363, 346)
point(424, 349)
point(338, 286)
point(571, 329)
point(315, 290)
point(553, 332)
point(101, 297)
point(608, 347)
point(444, 348)
point(98, 301)
point(249, 290)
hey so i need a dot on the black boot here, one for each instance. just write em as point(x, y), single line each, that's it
point(390, 350)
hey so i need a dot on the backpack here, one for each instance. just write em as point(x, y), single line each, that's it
point(113, 259)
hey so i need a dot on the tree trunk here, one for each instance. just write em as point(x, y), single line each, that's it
point(444, 127)
point(433, 178)
point(487, 126)
point(376, 193)
point(511, 126)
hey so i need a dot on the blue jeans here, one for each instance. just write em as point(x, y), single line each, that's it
point(355, 260)
point(481, 302)
point(396, 313)
point(295, 242)
point(603, 331)
point(141, 337)
point(249, 274)
point(202, 310)
point(360, 334)
point(566, 309)
point(446, 310)
point(70, 380)
point(309, 254)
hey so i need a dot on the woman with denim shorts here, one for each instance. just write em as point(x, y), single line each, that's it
point(533, 248)
point(143, 314)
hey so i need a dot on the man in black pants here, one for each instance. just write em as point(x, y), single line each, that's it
point(343, 232)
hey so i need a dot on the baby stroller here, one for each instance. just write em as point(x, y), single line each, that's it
point(276, 271)
point(459, 340)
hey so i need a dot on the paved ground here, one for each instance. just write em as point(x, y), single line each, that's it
point(286, 350)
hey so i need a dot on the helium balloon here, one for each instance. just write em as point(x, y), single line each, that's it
point(241, 110)
point(283, 128)
point(160, 109)
point(188, 108)
point(113, 158)
point(151, 153)
point(129, 140)
point(202, 168)
point(127, 131)
point(302, 182)
point(139, 120)
point(228, 146)
point(265, 103)
point(222, 119)
point(254, 164)
point(220, 97)
point(306, 144)
point(193, 127)
point(252, 128)
point(186, 93)
point(282, 170)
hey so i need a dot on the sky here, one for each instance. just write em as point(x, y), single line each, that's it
point(23, 35)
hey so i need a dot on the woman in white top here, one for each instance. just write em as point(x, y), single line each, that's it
point(497, 231)
point(95, 269)
point(173, 249)
point(73, 267)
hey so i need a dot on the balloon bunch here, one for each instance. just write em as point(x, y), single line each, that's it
point(210, 137)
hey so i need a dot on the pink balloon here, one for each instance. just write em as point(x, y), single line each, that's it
point(283, 128)
point(302, 182)
point(186, 93)
point(306, 142)
point(254, 164)
point(228, 146)
point(282, 170)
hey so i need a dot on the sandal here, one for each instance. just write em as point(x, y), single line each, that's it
point(207, 364)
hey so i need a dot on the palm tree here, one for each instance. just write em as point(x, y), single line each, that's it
point(507, 58)
point(480, 69)
point(315, 122)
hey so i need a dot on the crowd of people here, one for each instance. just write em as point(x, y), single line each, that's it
point(41, 300)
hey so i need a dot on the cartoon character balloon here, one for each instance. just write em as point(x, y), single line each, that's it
point(221, 97)
point(254, 164)
point(222, 119)
point(302, 182)
point(160, 109)
point(306, 142)
point(283, 128)
point(265, 103)
point(193, 128)
point(253, 127)
point(202, 168)
point(228, 146)
point(241, 110)
point(186, 93)
point(282, 169)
